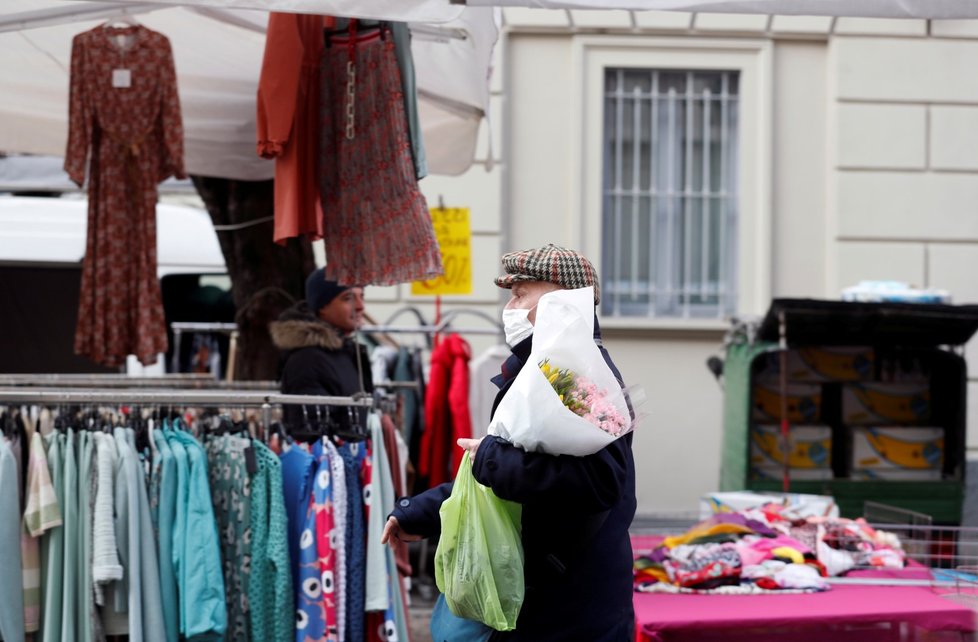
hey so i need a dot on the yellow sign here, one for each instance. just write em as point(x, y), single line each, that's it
point(455, 240)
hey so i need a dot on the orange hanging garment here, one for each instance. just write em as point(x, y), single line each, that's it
point(288, 120)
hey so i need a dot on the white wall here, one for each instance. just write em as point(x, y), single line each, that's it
point(905, 167)
point(540, 134)
point(799, 170)
point(677, 447)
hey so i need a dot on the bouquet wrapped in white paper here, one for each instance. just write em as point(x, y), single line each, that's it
point(565, 400)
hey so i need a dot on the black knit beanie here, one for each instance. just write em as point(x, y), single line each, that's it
point(319, 291)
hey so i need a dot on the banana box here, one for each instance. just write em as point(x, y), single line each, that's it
point(897, 453)
point(842, 363)
point(810, 447)
point(804, 403)
point(794, 474)
point(884, 404)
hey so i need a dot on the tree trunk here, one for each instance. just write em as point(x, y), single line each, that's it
point(266, 278)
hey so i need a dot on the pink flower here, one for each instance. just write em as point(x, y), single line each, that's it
point(583, 397)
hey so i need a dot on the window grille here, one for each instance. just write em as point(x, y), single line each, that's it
point(669, 231)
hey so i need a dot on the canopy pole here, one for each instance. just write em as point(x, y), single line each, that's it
point(76, 12)
point(785, 424)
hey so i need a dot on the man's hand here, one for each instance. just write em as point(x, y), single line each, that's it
point(392, 531)
point(471, 445)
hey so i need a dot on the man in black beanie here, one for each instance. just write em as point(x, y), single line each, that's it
point(341, 306)
point(319, 351)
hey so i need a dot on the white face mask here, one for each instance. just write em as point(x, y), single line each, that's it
point(517, 325)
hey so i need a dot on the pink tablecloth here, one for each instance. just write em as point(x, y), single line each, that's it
point(857, 613)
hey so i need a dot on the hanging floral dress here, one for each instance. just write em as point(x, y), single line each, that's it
point(125, 129)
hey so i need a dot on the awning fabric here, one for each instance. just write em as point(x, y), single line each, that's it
point(218, 52)
point(445, 10)
point(218, 47)
point(936, 9)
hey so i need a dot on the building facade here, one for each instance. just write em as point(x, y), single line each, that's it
point(708, 163)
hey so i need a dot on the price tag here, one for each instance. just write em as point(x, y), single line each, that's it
point(121, 78)
point(455, 241)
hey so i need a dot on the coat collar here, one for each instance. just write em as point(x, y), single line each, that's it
point(293, 334)
point(106, 33)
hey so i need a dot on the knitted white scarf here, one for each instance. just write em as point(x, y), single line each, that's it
point(105, 559)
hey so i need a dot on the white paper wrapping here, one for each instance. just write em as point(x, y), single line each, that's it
point(531, 415)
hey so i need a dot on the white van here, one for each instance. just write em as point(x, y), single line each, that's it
point(42, 243)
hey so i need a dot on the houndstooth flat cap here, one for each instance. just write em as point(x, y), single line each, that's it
point(558, 265)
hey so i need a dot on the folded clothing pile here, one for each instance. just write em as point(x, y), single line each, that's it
point(764, 549)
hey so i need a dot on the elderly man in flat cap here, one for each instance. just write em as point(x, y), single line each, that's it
point(576, 510)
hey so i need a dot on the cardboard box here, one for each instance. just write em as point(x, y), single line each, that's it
point(810, 447)
point(804, 403)
point(897, 453)
point(881, 404)
point(842, 363)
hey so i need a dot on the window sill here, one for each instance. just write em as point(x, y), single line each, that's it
point(672, 328)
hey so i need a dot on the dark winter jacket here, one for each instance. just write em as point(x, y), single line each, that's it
point(316, 360)
point(576, 514)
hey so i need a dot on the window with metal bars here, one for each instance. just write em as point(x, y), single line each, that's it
point(669, 231)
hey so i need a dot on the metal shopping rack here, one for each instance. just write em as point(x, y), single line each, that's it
point(944, 558)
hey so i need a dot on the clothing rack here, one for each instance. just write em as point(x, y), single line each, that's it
point(174, 397)
point(396, 384)
point(444, 326)
point(192, 326)
point(180, 381)
point(179, 327)
point(426, 329)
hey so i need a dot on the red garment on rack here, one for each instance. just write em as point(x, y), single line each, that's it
point(446, 411)
point(288, 120)
point(125, 128)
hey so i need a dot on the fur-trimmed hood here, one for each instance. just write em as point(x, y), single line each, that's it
point(298, 328)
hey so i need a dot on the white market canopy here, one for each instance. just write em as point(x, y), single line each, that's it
point(218, 47)
point(934, 9)
point(218, 53)
point(446, 10)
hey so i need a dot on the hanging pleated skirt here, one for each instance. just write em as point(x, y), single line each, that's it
point(376, 222)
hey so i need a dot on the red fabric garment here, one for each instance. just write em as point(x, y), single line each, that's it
point(125, 128)
point(379, 227)
point(446, 407)
point(288, 120)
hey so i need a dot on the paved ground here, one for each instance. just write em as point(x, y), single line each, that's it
point(420, 616)
point(423, 591)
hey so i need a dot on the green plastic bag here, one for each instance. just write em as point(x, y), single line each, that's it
point(479, 559)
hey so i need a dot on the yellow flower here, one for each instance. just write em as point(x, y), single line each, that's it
point(553, 378)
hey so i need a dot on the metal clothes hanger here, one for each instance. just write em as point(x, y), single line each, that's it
point(121, 21)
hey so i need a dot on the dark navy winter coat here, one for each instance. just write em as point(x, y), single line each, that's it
point(576, 514)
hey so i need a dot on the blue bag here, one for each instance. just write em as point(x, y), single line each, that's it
point(448, 627)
